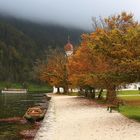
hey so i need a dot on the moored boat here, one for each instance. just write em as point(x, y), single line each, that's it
point(35, 113)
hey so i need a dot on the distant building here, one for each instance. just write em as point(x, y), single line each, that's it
point(132, 86)
point(68, 48)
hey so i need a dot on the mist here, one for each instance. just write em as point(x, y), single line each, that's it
point(77, 13)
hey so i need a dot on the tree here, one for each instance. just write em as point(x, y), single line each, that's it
point(55, 70)
point(114, 43)
point(109, 56)
point(86, 67)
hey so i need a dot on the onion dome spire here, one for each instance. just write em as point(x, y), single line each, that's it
point(68, 47)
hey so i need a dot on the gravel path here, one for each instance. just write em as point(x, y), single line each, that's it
point(76, 118)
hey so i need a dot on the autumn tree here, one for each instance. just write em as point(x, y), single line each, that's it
point(54, 70)
point(119, 45)
point(113, 53)
point(83, 67)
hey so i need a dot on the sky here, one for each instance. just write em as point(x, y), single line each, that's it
point(77, 13)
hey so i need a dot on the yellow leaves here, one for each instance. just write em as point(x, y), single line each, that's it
point(130, 66)
point(126, 52)
point(121, 21)
point(84, 36)
point(93, 35)
point(122, 53)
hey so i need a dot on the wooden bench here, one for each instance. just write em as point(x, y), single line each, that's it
point(115, 106)
point(112, 107)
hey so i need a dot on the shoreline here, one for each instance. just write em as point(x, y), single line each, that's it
point(47, 123)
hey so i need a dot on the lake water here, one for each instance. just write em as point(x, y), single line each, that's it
point(15, 105)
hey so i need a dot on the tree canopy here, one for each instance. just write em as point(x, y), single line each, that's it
point(108, 57)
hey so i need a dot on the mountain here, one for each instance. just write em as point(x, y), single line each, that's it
point(22, 42)
point(17, 53)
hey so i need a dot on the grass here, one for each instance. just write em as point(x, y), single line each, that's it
point(73, 94)
point(132, 112)
point(131, 109)
point(32, 87)
point(130, 98)
point(10, 85)
point(128, 92)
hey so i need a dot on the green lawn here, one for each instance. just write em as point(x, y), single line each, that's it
point(130, 98)
point(128, 92)
point(131, 109)
point(33, 88)
point(132, 112)
point(10, 85)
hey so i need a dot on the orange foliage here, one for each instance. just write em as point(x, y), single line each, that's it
point(109, 56)
point(106, 58)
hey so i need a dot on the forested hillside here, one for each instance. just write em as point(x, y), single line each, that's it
point(22, 42)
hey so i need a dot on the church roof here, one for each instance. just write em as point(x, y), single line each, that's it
point(68, 47)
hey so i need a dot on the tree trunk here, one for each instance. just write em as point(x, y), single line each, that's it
point(100, 94)
point(111, 94)
point(58, 90)
point(86, 93)
point(66, 90)
point(81, 91)
point(92, 91)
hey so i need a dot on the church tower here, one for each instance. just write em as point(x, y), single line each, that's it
point(68, 48)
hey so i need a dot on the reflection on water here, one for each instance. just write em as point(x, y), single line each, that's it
point(10, 131)
point(15, 105)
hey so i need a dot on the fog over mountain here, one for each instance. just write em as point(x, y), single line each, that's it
point(76, 13)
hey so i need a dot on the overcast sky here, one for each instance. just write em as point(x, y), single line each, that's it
point(68, 12)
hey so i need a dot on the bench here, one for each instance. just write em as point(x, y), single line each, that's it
point(115, 106)
point(112, 107)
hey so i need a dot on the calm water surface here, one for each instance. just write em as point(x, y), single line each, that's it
point(15, 105)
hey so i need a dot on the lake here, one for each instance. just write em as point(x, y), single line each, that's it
point(15, 105)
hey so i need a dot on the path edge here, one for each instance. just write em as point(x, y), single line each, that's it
point(47, 128)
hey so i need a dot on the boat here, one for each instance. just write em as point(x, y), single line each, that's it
point(35, 113)
point(12, 90)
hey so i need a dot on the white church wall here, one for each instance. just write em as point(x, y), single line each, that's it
point(55, 89)
point(132, 86)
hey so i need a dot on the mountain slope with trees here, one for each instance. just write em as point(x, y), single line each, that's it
point(22, 42)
